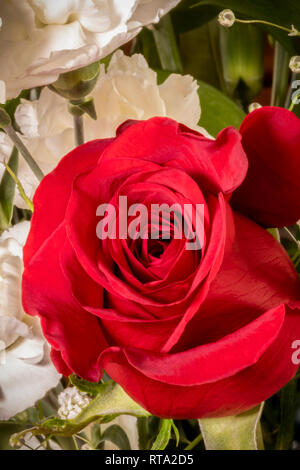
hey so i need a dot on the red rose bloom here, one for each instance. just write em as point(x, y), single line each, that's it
point(187, 334)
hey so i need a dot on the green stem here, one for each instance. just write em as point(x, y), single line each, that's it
point(79, 130)
point(75, 443)
point(268, 23)
point(20, 188)
point(194, 443)
point(291, 235)
point(294, 102)
point(288, 408)
point(24, 151)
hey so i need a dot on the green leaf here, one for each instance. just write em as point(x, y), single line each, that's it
point(242, 56)
point(241, 432)
point(91, 388)
point(166, 45)
point(200, 62)
point(7, 191)
point(117, 436)
point(217, 110)
point(164, 434)
point(186, 18)
point(147, 429)
point(111, 401)
point(287, 414)
point(275, 233)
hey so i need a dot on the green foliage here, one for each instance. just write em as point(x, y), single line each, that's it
point(195, 13)
point(164, 435)
point(7, 192)
point(241, 432)
point(111, 400)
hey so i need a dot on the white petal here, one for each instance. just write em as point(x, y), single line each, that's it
point(26, 118)
point(181, 99)
point(19, 232)
point(11, 329)
point(26, 372)
point(22, 383)
point(6, 147)
point(42, 39)
point(150, 11)
point(2, 92)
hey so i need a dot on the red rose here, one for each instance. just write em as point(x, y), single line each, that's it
point(187, 334)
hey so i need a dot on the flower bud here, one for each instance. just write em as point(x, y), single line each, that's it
point(78, 108)
point(294, 32)
point(226, 18)
point(72, 402)
point(295, 64)
point(77, 84)
point(254, 106)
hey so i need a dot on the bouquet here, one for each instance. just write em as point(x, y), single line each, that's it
point(149, 225)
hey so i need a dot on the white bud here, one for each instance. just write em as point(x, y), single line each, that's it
point(295, 64)
point(294, 32)
point(226, 18)
point(254, 106)
point(72, 402)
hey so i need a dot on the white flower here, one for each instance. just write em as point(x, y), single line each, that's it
point(295, 64)
point(40, 39)
point(294, 32)
point(26, 371)
point(226, 18)
point(72, 402)
point(128, 90)
point(254, 106)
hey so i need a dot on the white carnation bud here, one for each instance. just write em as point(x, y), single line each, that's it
point(295, 64)
point(254, 106)
point(72, 402)
point(226, 18)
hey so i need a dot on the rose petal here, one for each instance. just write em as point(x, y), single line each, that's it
point(66, 325)
point(270, 193)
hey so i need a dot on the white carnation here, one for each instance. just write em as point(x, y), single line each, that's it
point(26, 371)
point(40, 39)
